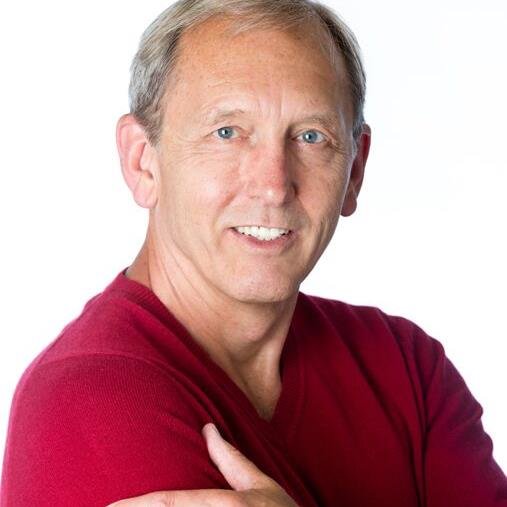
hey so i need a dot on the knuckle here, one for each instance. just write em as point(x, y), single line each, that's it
point(235, 499)
point(162, 500)
point(248, 498)
point(258, 498)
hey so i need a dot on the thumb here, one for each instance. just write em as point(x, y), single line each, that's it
point(238, 470)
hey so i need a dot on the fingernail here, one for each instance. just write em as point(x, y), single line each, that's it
point(214, 429)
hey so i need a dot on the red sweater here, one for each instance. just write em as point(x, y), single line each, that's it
point(371, 413)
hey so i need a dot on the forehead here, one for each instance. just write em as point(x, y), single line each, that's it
point(212, 61)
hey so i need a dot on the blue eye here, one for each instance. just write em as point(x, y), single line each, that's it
point(313, 136)
point(225, 132)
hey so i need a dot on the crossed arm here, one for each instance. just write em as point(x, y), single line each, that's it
point(92, 432)
point(96, 430)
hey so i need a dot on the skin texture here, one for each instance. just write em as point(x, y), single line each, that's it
point(289, 161)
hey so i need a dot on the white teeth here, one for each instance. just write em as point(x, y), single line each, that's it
point(263, 233)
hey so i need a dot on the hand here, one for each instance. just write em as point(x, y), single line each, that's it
point(251, 486)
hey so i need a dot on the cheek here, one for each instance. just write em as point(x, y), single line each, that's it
point(198, 186)
point(215, 180)
point(322, 192)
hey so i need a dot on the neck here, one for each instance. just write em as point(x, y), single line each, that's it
point(244, 339)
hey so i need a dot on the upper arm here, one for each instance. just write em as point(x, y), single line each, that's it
point(95, 429)
point(458, 462)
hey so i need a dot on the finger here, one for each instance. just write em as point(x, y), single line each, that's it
point(186, 498)
point(238, 470)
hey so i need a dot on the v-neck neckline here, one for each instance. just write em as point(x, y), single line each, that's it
point(286, 414)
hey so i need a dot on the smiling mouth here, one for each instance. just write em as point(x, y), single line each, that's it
point(262, 233)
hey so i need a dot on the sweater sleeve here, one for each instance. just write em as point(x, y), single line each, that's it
point(91, 430)
point(459, 467)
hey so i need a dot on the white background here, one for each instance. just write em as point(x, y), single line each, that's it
point(427, 242)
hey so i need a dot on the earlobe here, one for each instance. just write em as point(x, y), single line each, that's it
point(357, 172)
point(138, 160)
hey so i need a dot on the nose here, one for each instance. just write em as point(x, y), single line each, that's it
point(269, 175)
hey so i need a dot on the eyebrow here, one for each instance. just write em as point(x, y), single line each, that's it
point(327, 120)
point(217, 115)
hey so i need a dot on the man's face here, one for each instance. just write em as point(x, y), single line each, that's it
point(256, 132)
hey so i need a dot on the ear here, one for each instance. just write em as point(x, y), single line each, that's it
point(357, 172)
point(138, 160)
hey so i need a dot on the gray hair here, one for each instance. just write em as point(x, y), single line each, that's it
point(156, 57)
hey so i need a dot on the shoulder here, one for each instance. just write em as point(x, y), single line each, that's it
point(370, 320)
point(370, 330)
point(122, 425)
point(97, 388)
point(117, 365)
point(110, 325)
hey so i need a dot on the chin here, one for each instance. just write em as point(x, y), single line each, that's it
point(262, 291)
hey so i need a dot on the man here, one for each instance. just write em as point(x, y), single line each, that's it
point(246, 142)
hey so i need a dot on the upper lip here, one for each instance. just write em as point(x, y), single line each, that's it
point(265, 226)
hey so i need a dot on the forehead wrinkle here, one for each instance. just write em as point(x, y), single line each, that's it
point(201, 42)
point(294, 104)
